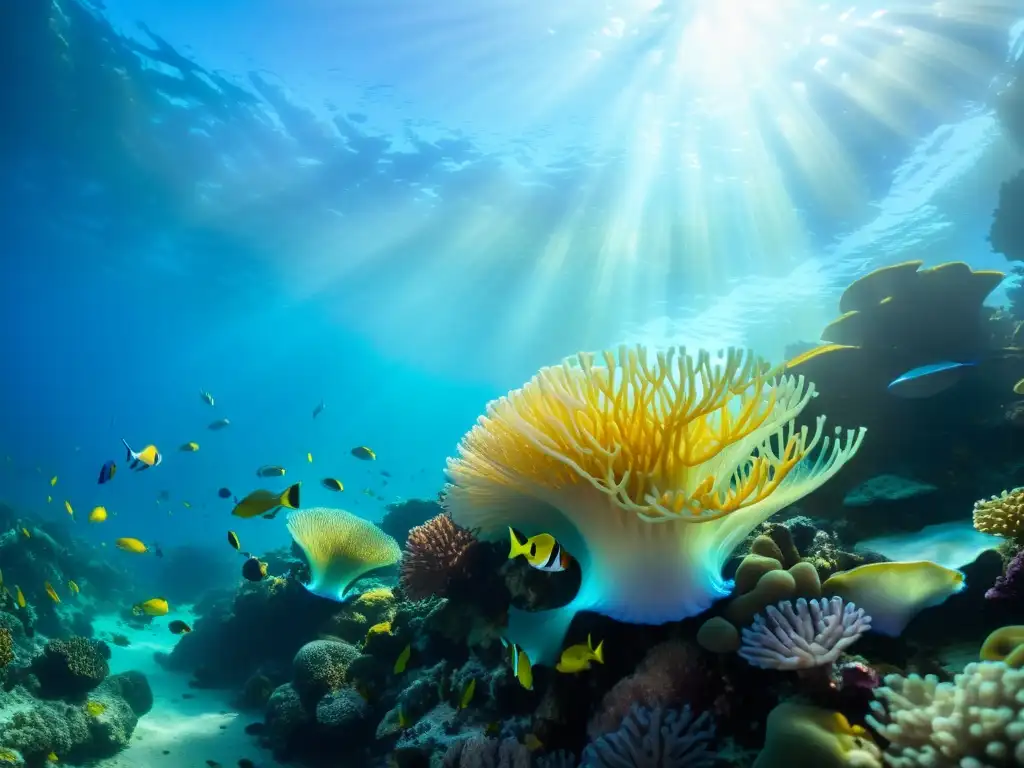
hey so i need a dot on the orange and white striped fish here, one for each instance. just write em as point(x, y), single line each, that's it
point(144, 459)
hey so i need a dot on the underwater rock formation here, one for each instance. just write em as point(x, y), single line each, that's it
point(1007, 232)
point(71, 668)
point(565, 456)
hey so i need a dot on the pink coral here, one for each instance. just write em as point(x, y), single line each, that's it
point(435, 557)
point(670, 675)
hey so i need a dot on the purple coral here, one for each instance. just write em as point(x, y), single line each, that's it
point(1009, 586)
point(810, 634)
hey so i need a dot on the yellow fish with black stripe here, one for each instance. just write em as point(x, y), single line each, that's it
point(521, 666)
point(267, 503)
point(542, 551)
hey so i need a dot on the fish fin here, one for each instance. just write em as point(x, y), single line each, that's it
point(290, 498)
point(127, 448)
point(518, 546)
point(599, 653)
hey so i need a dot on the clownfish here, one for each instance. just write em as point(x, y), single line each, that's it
point(542, 551)
point(144, 459)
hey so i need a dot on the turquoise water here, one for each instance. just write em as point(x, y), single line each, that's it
point(405, 209)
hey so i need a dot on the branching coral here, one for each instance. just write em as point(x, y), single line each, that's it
point(340, 547)
point(433, 553)
point(657, 738)
point(648, 471)
point(977, 721)
point(809, 634)
point(1002, 515)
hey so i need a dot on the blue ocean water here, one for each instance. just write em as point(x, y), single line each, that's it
point(404, 209)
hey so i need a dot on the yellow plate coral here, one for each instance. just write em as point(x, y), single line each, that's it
point(649, 469)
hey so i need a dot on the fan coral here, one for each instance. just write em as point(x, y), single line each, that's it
point(1002, 515)
point(340, 547)
point(649, 472)
point(659, 738)
point(433, 553)
point(977, 721)
point(811, 634)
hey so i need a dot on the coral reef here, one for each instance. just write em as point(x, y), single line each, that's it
point(71, 668)
point(655, 737)
point(1002, 515)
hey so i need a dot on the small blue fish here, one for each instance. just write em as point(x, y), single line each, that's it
point(319, 409)
point(929, 380)
point(107, 472)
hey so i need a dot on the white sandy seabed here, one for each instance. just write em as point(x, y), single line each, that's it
point(191, 725)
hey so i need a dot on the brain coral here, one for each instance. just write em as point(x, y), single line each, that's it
point(649, 469)
point(1002, 515)
point(432, 556)
point(321, 667)
point(71, 668)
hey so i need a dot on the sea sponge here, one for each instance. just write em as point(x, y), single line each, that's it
point(655, 737)
point(320, 667)
point(809, 634)
point(71, 668)
point(1002, 515)
point(977, 721)
point(433, 554)
point(801, 736)
point(340, 547)
point(650, 472)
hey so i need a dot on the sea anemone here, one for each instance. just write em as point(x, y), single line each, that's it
point(649, 472)
point(432, 557)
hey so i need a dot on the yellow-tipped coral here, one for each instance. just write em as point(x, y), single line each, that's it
point(894, 593)
point(1002, 515)
point(648, 469)
point(340, 547)
point(801, 736)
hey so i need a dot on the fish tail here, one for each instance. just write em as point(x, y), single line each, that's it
point(518, 546)
point(290, 498)
point(598, 652)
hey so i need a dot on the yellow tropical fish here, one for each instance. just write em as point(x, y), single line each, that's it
point(1018, 388)
point(403, 719)
point(19, 596)
point(51, 592)
point(261, 502)
point(309, 457)
point(72, 587)
point(577, 658)
point(155, 606)
point(532, 743)
point(189, 447)
point(467, 694)
point(542, 551)
point(25, 533)
point(364, 453)
point(53, 481)
point(134, 546)
point(52, 757)
point(144, 459)
point(521, 666)
point(67, 506)
point(95, 708)
point(49, 499)
point(98, 515)
point(186, 504)
point(403, 660)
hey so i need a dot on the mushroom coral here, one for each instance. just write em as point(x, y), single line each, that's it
point(649, 471)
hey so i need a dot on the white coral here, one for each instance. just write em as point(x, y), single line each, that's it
point(812, 634)
point(977, 721)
